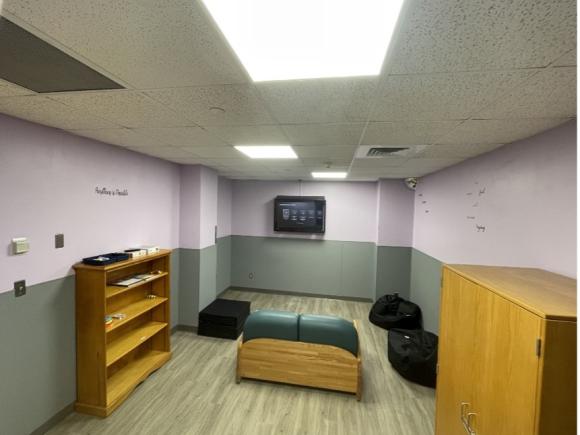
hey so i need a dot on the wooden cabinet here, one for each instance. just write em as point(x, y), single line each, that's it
point(507, 352)
point(113, 359)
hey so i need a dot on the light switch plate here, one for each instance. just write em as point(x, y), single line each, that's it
point(19, 288)
point(20, 245)
point(59, 241)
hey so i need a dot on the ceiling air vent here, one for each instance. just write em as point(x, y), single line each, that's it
point(382, 151)
point(387, 152)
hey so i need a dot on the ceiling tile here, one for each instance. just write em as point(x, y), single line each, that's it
point(457, 151)
point(333, 168)
point(336, 100)
point(423, 166)
point(458, 35)
point(147, 43)
point(163, 152)
point(127, 108)
point(324, 134)
point(406, 132)
point(240, 163)
point(441, 96)
point(214, 152)
point(274, 165)
point(181, 136)
point(8, 89)
point(551, 93)
point(492, 131)
point(48, 112)
point(216, 105)
point(382, 162)
point(569, 59)
point(321, 161)
point(250, 134)
point(376, 173)
point(329, 152)
point(121, 136)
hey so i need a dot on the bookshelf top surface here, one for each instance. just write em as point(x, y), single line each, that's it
point(121, 264)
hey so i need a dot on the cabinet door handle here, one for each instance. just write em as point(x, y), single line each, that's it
point(468, 427)
point(463, 407)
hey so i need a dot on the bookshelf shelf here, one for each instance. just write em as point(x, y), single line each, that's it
point(127, 342)
point(112, 360)
point(135, 310)
point(113, 290)
point(123, 382)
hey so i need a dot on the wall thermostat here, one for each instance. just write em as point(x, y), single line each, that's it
point(20, 245)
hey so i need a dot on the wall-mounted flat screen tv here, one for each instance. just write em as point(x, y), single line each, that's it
point(302, 214)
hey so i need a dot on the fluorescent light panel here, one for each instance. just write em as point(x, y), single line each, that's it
point(301, 39)
point(329, 175)
point(267, 151)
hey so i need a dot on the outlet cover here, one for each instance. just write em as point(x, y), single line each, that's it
point(19, 288)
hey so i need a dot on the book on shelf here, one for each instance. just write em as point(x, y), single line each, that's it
point(136, 252)
point(151, 249)
point(127, 282)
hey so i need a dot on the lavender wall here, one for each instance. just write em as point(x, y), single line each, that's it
point(224, 212)
point(48, 179)
point(351, 208)
point(524, 194)
point(395, 214)
point(199, 207)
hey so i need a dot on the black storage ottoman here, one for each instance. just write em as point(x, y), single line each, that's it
point(223, 318)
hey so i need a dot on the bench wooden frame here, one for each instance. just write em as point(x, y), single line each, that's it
point(298, 363)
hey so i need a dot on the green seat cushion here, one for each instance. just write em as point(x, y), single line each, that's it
point(282, 325)
point(328, 330)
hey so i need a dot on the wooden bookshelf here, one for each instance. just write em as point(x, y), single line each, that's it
point(113, 359)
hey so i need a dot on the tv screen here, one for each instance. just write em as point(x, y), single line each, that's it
point(303, 214)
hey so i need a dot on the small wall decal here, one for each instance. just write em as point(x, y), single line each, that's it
point(469, 193)
point(111, 192)
point(481, 191)
point(470, 217)
point(480, 228)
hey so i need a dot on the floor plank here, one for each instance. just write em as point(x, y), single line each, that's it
point(195, 393)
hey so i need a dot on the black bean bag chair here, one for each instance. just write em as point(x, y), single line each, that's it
point(392, 311)
point(413, 354)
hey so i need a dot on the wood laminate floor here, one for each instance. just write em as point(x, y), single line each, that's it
point(196, 393)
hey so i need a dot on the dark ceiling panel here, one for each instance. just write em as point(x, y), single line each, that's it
point(32, 63)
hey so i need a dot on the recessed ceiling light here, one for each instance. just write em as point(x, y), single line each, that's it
point(329, 175)
point(267, 151)
point(301, 39)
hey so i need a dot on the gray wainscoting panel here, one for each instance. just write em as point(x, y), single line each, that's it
point(37, 355)
point(358, 270)
point(188, 286)
point(224, 264)
point(393, 271)
point(305, 266)
point(197, 282)
point(175, 275)
point(207, 276)
point(425, 287)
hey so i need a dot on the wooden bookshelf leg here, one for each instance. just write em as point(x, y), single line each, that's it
point(238, 376)
point(359, 383)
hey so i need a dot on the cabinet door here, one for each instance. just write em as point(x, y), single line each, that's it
point(508, 366)
point(457, 353)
